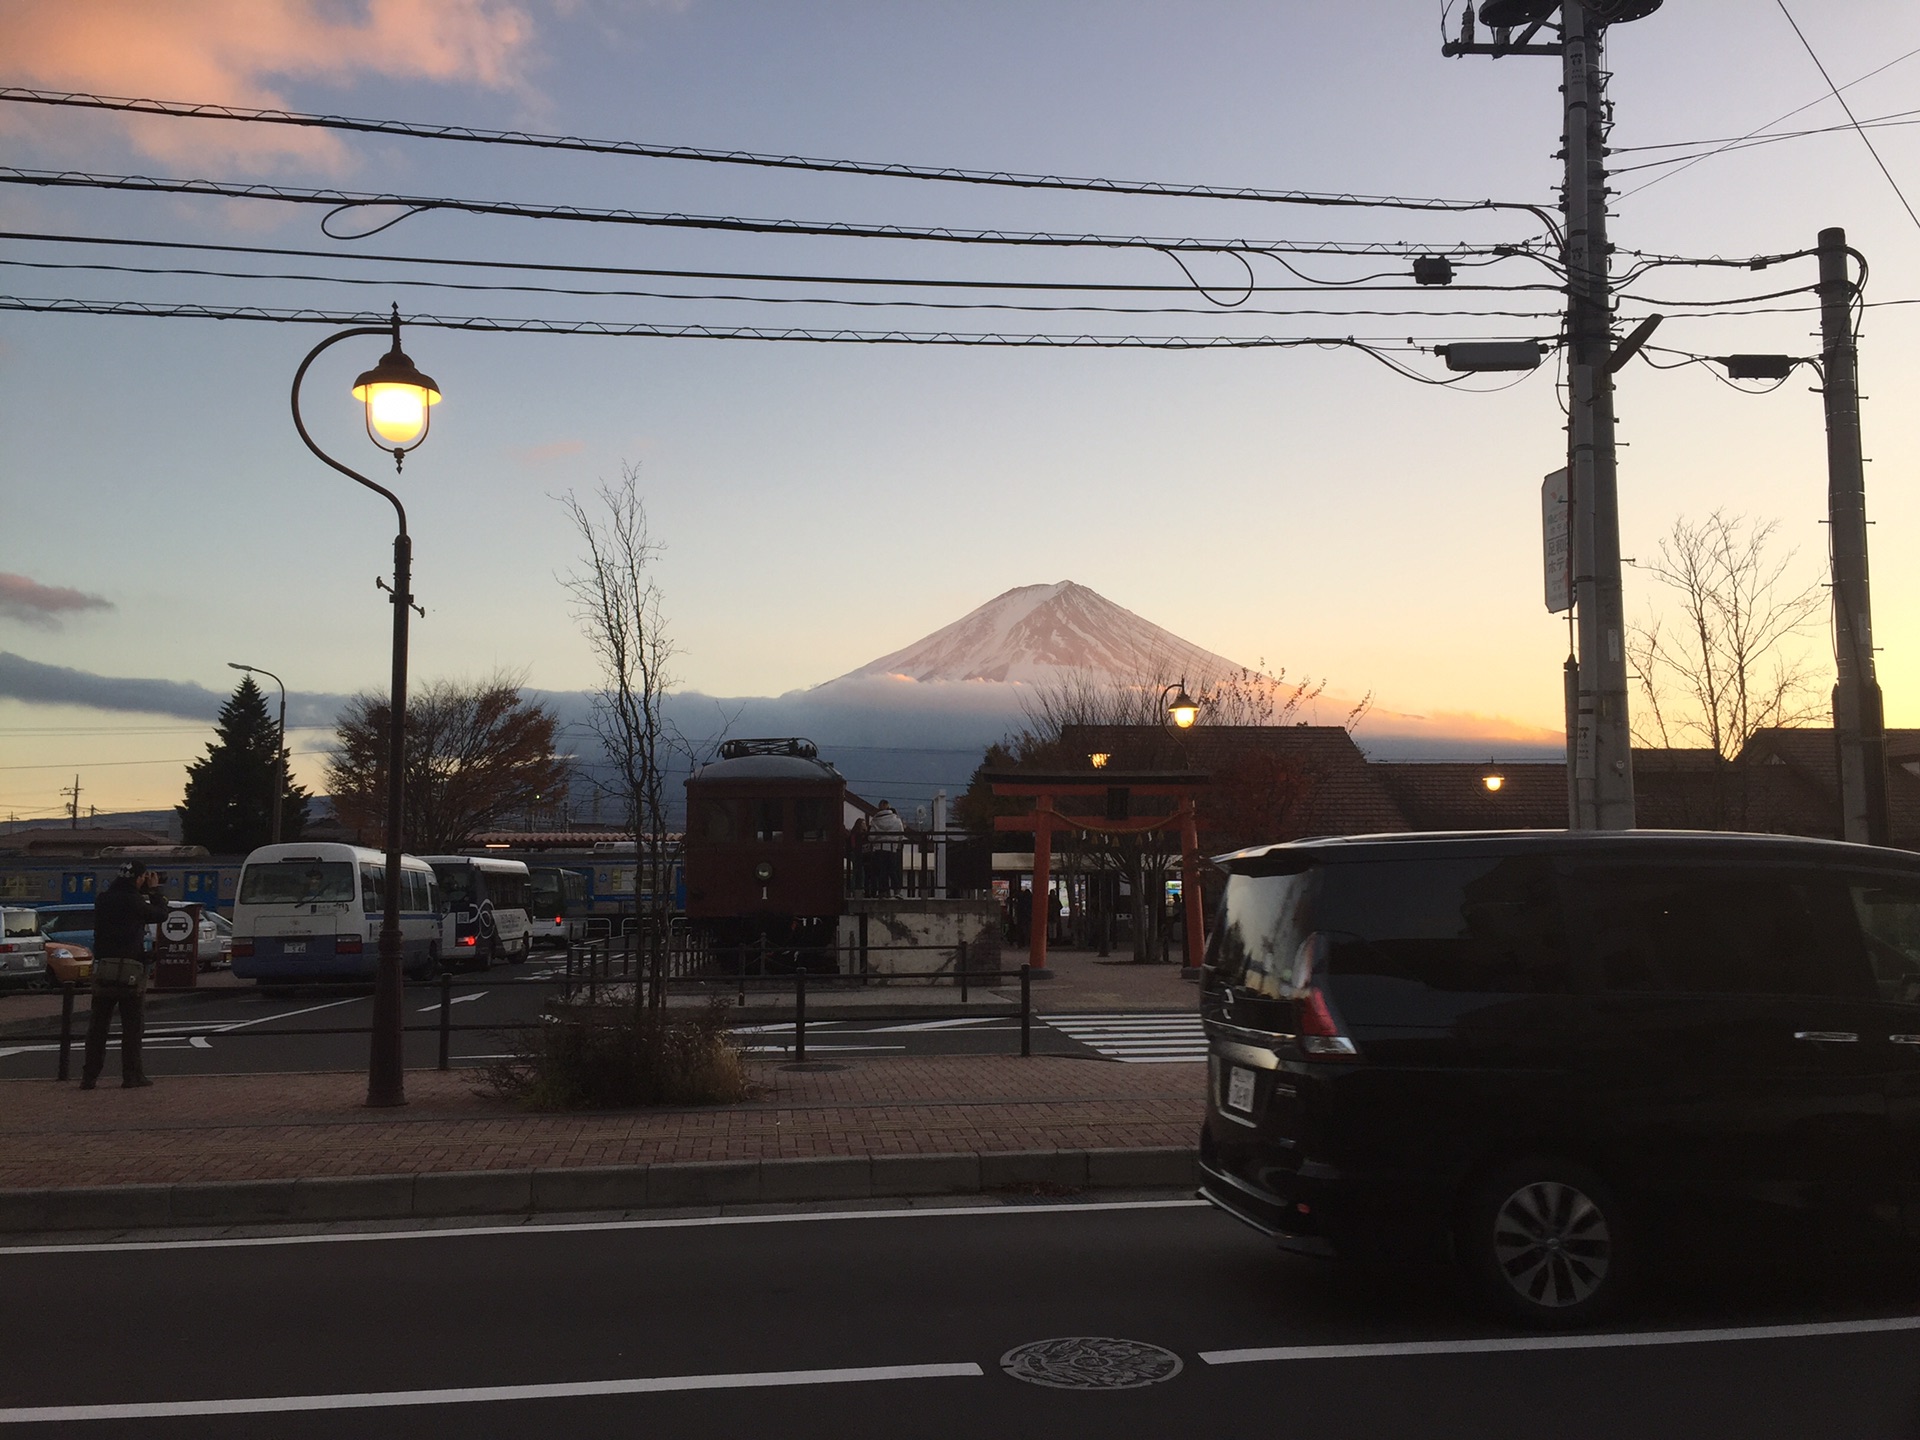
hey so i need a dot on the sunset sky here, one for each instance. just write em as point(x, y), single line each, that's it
point(822, 505)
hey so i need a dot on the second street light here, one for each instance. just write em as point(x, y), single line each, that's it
point(399, 402)
point(280, 750)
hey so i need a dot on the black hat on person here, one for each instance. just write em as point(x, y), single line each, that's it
point(135, 869)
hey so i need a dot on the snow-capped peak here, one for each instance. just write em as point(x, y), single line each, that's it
point(1033, 633)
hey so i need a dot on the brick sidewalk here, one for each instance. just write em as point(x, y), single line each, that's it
point(282, 1127)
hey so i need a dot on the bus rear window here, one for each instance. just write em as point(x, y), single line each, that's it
point(296, 882)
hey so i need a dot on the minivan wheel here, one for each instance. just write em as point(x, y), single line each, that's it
point(1545, 1242)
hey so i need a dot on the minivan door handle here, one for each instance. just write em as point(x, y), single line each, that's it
point(1827, 1037)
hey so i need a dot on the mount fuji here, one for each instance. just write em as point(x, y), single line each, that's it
point(1031, 635)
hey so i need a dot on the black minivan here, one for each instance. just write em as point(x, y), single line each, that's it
point(1536, 1052)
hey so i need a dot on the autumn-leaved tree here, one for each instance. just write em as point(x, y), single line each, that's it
point(476, 755)
point(617, 604)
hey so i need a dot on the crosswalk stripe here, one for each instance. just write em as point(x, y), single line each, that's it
point(1146, 1038)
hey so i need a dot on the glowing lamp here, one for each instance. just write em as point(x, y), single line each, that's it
point(1100, 759)
point(1183, 709)
point(1493, 782)
point(399, 401)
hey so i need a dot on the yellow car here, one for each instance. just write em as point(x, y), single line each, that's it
point(68, 963)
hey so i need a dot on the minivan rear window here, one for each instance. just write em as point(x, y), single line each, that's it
point(1489, 925)
point(1262, 922)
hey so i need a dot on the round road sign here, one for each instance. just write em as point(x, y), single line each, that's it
point(177, 926)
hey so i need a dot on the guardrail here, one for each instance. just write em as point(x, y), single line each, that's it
point(594, 974)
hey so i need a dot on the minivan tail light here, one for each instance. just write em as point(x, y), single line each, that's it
point(1317, 1027)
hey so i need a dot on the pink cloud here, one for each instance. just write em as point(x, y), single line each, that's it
point(552, 450)
point(40, 605)
point(226, 52)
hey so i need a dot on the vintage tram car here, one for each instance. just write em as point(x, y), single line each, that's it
point(765, 849)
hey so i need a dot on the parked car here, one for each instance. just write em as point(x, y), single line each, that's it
point(1541, 1053)
point(23, 950)
point(69, 963)
point(73, 924)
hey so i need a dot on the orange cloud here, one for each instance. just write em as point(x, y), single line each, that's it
point(226, 51)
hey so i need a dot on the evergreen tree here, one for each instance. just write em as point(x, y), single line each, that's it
point(229, 801)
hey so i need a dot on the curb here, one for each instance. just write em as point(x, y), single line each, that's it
point(610, 1187)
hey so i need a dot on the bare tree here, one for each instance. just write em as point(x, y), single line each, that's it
point(1721, 662)
point(617, 603)
point(475, 755)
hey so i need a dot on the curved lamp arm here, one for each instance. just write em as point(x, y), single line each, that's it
point(301, 374)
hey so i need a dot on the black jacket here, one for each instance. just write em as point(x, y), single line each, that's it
point(120, 919)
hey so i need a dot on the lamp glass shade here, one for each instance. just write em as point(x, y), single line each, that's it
point(1493, 782)
point(1183, 709)
point(397, 397)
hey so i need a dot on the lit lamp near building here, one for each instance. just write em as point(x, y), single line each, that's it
point(399, 403)
point(1493, 780)
point(1099, 759)
point(1182, 709)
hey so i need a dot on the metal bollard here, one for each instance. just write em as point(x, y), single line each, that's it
point(66, 1029)
point(800, 1014)
point(962, 962)
point(1026, 1009)
point(446, 1019)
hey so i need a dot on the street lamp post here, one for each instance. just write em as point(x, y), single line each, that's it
point(280, 768)
point(398, 401)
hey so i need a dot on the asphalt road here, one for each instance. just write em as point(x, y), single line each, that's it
point(868, 1323)
point(220, 1032)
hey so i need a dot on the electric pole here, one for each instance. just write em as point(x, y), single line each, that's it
point(1599, 740)
point(73, 804)
point(1859, 724)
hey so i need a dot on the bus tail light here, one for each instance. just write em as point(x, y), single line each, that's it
point(347, 945)
point(242, 949)
point(468, 940)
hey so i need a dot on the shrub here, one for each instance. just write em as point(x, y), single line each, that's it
point(614, 1057)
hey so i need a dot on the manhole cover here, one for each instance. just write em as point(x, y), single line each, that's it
point(1090, 1362)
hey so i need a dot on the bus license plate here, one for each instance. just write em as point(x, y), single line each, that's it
point(1240, 1090)
point(294, 947)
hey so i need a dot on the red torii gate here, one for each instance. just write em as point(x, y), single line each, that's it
point(1044, 819)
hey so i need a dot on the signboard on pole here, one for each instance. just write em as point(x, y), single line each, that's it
point(176, 948)
point(1556, 532)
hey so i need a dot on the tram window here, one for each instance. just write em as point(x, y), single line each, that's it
point(718, 825)
point(767, 828)
point(810, 819)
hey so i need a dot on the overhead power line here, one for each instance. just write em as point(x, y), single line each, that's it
point(861, 302)
point(644, 150)
point(345, 200)
point(751, 276)
point(1865, 139)
point(1380, 349)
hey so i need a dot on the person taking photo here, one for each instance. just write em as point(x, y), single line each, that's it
point(120, 918)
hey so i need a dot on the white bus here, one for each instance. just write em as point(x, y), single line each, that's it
point(309, 911)
point(486, 904)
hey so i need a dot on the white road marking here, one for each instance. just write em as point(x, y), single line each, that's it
point(577, 1227)
point(811, 1047)
point(483, 1394)
point(1141, 1038)
point(456, 1000)
point(289, 1014)
point(1616, 1341)
point(969, 1022)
